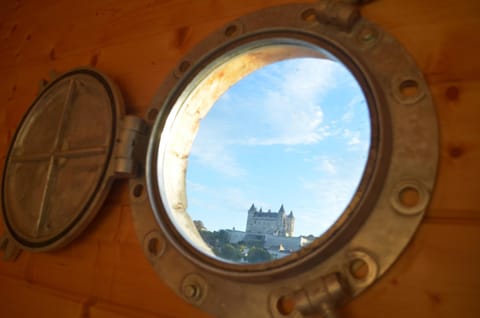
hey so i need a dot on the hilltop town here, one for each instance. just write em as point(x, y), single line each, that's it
point(268, 236)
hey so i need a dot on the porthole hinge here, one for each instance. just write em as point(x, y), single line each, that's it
point(131, 147)
point(320, 297)
point(10, 249)
point(343, 14)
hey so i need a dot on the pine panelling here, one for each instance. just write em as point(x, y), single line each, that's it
point(21, 299)
point(104, 273)
point(48, 303)
point(437, 276)
point(441, 35)
point(458, 110)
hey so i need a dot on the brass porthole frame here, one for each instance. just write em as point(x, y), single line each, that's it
point(405, 155)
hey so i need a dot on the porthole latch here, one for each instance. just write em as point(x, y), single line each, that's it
point(131, 147)
point(319, 297)
point(344, 15)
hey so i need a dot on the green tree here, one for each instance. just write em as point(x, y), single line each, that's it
point(258, 255)
point(222, 237)
point(230, 252)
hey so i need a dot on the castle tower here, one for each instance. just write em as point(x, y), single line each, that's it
point(281, 222)
point(252, 210)
point(290, 224)
point(250, 219)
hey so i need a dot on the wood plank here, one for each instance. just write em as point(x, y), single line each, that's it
point(437, 276)
point(458, 183)
point(107, 264)
point(21, 299)
point(439, 34)
point(101, 23)
point(47, 302)
point(425, 282)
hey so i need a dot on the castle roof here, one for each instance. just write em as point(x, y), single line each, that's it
point(269, 214)
point(260, 213)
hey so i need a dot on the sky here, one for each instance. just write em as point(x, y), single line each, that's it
point(295, 132)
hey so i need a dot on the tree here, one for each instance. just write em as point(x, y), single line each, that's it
point(222, 237)
point(230, 252)
point(199, 225)
point(258, 255)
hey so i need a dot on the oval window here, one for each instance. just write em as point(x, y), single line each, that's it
point(274, 141)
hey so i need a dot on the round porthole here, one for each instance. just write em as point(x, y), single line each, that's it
point(215, 269)
point(299, 110)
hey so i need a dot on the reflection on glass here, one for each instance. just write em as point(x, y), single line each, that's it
point(277, 159)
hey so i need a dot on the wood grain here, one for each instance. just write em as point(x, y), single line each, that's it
point(104, 272)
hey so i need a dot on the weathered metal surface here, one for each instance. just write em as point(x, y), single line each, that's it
point(59, 167)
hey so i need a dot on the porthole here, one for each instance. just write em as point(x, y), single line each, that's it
point(290, 131)
point(389, 199)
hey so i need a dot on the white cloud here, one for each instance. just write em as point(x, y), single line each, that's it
point(194, 186)
point(219, 207)
point(353, 137)
point(290, 112)
point(330, 198)
point(329, 166)
point(211, 150)
point(325, 163)
point(354, 103)
point(287, 113)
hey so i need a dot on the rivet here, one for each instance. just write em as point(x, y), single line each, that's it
point(409, 198)
point(367, 35)
point(190, 291)
point(184, 66)
point(194, 288)
point(231, 30)
point(154, 245)
point(361, 267)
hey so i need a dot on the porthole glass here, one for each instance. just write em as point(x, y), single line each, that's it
point(277, 159)
point(264, 151)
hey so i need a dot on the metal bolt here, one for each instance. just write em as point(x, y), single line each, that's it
point(194, 289)
point(184, 66)
point(191, 291)
point(367, 35)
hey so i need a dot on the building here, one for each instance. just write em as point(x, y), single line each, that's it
point(272, 223)
point(272, 230)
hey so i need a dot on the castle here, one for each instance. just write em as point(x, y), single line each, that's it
point(273, 223)
point(272, 230)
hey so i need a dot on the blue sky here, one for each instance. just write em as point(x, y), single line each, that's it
point(295, 132)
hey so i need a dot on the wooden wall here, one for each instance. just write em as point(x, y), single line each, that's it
point(105, 274)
